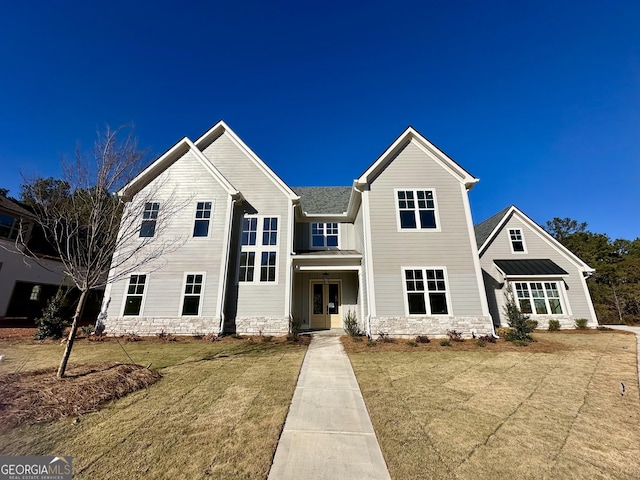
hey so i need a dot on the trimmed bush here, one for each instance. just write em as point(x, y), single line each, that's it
point(51, 324)
point(554, 325)
point(422, 339)
point(581, 323)
point(445, 343)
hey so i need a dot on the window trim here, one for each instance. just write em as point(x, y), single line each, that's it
point(418, 228)
point(427, 303)
point(149, 220)
point(561, 296)
point(324, 236)
point(144, 293)
point(518, 231)
point(183, 294)
point(209, 220)
point(258, 249)
point(14, 228)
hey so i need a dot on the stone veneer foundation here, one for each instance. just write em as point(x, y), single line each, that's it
point(434, 326)
point(256, 325)
point(147, 326)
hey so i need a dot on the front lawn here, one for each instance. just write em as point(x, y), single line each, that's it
point(553, 409)
point(217, 412)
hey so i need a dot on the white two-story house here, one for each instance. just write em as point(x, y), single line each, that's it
point(397, 248)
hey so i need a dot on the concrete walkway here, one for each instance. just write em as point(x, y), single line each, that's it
point(328, 433)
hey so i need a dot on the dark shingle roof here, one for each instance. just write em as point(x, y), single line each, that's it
point(529, 267)
point(484, 229)
point(329, 200)
point(14, 207)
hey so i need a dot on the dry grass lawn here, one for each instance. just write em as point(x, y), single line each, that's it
point(550, 410)
point(217, 412)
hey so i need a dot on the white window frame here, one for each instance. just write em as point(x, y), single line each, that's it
point(143, 295)
point(258, 249)
point(324, 236)
point(184, 294)
point(426, 291)
point(416, 210)
point(517, 232)
point(561, 296)
point(151, 218)
point(209, 220)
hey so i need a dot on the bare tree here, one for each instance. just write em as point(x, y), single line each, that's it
point(95, 234)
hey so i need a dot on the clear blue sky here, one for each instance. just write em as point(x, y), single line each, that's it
point(540, 100)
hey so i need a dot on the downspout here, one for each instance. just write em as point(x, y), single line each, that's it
point(226, 267)
point(367, 325)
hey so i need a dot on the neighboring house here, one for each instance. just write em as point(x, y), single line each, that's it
point(547, 281)
point(397, 248)
point(27, 284)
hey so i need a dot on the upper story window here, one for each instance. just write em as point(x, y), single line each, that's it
point(249, 230)
point(426, 291)
point(135, 294)
point(538, 298)
point(270, 231)
point(203, 215)
point(324, 235)
point(266, 229)
point(9, 226)
point(517, 240)
point(417, 210)
point(149, 219)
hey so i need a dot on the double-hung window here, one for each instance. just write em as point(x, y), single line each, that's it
point(324, 235)
point(417, 210)
point(149, 219)
point(203, 216)
point(135, 295)
point(517, 240)
point(192, 294)
point(538, 298)
point(426, 291)
point(259, 240)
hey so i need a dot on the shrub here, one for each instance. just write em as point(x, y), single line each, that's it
point(581, 323)
point(87, 330)
point(455, 336)
point(554, 325)
point(384, 338)
point(422, 339)
point(487, 339)
point(371, 343)
point(481, 343)
point(445, 343)
point(520, 323)
point(132, 337)
point(294, 327)
point(51, 324)
point(520, 343)
point(502, 332)
point(266, 338)
point(411, 343)
point(351, 325)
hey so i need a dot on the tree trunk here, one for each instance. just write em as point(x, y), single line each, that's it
point(72, 334)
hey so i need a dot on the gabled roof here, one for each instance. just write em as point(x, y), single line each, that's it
point(324, 200)
point(219, 129)
point(498, 221)
point(485, 229)
point(165, 161)
point(527, 267)
point(13, 206)
point(412, 135)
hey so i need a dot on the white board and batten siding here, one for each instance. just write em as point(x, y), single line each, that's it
point(450, 246)
point(575, 297)
point(267, 300)
point(186, 182)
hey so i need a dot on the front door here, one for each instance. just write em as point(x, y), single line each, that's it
point(325, 305)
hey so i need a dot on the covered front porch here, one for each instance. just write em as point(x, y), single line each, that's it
point(326, 287)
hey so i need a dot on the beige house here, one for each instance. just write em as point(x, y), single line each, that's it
point(397, 248)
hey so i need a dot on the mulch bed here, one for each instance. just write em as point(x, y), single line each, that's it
point(39, 396)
